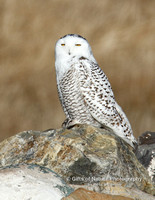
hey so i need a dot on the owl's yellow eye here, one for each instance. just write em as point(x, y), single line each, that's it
point(62, 44)
point(77, 44)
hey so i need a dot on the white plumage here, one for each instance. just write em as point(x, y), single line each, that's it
point(84, 90)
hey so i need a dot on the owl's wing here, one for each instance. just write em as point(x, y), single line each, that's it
point(97, 93)
point(99, 99)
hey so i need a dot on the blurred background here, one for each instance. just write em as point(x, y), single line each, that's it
point(121, 34)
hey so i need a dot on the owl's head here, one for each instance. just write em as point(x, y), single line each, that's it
point(72, 45)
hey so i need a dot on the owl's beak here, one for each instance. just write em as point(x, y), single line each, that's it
point(69, 52)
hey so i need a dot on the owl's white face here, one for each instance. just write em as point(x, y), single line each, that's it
point(72, 45)
point(68, 50)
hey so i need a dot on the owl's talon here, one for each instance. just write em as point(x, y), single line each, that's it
point(69, 123)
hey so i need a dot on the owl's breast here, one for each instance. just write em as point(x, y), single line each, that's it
point(69, 83)
point(72, 98)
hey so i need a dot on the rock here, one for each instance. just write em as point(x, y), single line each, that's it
point(31, 182)
point(146, 138)
point(145, 152)
point(119, 189)
point(83, 156)
point(90, 195)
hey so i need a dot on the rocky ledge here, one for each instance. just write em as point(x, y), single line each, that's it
point(94, 162)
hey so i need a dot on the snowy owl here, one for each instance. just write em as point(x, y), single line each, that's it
point(84, 90)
